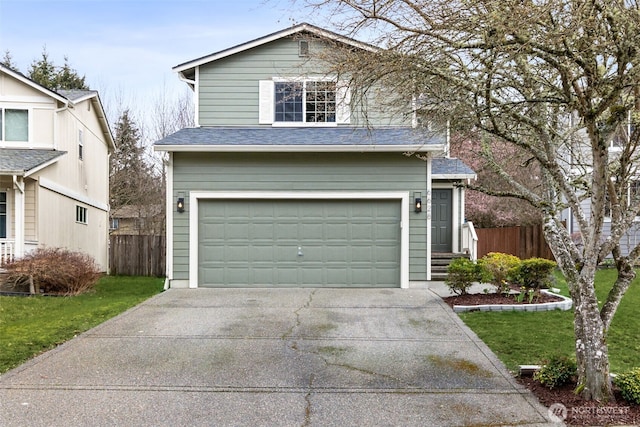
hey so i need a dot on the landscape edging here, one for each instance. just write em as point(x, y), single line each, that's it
point(563, 305)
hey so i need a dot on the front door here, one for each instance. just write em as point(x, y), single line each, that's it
point(441, 220)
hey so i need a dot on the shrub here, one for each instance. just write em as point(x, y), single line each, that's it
point(461, 274)
point(629, 385)
point(54, 271)
point(556, 371)
point(499, 269)
point(535, 273)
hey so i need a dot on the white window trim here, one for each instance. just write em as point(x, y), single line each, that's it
point(80, 145)
point(85, 210)
point(196, 196)
point(266, 108)
point(29, 111)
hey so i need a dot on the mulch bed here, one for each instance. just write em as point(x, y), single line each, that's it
point(578, 412)
point(496, 298)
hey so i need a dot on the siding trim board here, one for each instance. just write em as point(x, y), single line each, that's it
point(196, 196)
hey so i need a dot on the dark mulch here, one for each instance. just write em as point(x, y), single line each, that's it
point(495, 298)
point(578, 411)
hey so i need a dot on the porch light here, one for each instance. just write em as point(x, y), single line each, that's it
point(418, 208)
point(180, 204)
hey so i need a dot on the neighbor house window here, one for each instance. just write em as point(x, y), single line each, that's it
point(80, 145)
point(14, 125)
point(81, 214)
point(3, 214)
point(308, 102)
point(633, 194)
point(115, 223)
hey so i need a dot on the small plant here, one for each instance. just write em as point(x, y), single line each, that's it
point(556, 371)
point(498, 269)
point(53, 270)
point(520, 296)
point(629, 385)
point(535, 273)
point(461, 274)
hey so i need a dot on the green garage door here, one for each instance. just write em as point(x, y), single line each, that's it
point(335, 243)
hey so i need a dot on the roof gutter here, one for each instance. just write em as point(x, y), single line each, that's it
point(420, 148)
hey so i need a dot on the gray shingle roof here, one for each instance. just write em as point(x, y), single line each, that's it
point(17, 161)
point(309, 137)
point(451, 168)
point(76, 94)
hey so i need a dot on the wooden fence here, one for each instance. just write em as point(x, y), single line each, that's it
point(133, 255)
point(523, 242)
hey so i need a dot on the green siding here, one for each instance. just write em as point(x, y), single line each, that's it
point(299, 172)
point(229, 91)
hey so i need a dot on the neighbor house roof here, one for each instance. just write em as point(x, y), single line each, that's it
point(187, 69)
point(301, 139)
point(24, 162)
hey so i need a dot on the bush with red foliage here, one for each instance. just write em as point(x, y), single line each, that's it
point(53, 271)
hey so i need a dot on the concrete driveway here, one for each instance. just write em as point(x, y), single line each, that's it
point(272, 357)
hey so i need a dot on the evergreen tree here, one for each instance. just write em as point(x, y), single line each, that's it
point(7, 60)
point(45, 72)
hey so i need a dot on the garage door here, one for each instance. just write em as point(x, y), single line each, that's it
point(341, 243)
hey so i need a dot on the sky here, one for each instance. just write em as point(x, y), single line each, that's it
point(126, 48)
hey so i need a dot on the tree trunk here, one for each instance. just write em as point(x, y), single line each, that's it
point(592, 355)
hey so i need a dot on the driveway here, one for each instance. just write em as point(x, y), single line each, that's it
point(272, 357)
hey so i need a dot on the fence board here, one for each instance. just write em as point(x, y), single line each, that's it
point(136, 255)
point(523, 242)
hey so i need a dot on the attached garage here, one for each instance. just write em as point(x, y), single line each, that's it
point(300, 240)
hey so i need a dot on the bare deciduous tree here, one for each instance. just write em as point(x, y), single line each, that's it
point(555, 78)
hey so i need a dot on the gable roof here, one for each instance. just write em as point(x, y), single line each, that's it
point(301, 139)
point(186, 69)
point(24, 162)
point(69, 98)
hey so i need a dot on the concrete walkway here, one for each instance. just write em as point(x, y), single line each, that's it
point(272, 357)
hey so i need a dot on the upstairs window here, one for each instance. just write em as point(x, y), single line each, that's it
point(310, 102)
point(80, 145)
point(14, 125)
point(301, 103)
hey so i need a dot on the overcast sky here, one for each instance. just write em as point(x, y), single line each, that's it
point(127, 48)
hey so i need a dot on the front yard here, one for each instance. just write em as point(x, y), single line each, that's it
point(32, 325)
point(520, 338)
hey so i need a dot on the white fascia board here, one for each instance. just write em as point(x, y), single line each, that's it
point(455, 176)
point(67, 192)
point(196, 196)
point(269, 38)
point(300, 148)
point(33, 84)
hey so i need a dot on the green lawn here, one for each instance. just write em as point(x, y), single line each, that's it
point(520, 338)
point(32, 325)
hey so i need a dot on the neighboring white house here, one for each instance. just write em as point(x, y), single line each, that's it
point(54, 169)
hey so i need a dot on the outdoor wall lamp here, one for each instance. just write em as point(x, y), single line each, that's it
point(418, 207)
point(180, 204)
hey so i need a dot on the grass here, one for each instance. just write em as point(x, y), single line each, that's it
point(32, 325)
point(521, 338)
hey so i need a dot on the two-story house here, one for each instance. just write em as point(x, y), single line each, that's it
point(54, 169)
point(283, 183)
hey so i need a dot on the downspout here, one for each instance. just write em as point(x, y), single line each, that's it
point(169, 222)
point(18, 199)
point(55, 123)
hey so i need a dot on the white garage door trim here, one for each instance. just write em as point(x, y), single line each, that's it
point(196, 196)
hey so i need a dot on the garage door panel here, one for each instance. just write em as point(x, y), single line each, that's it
point(343, 243)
